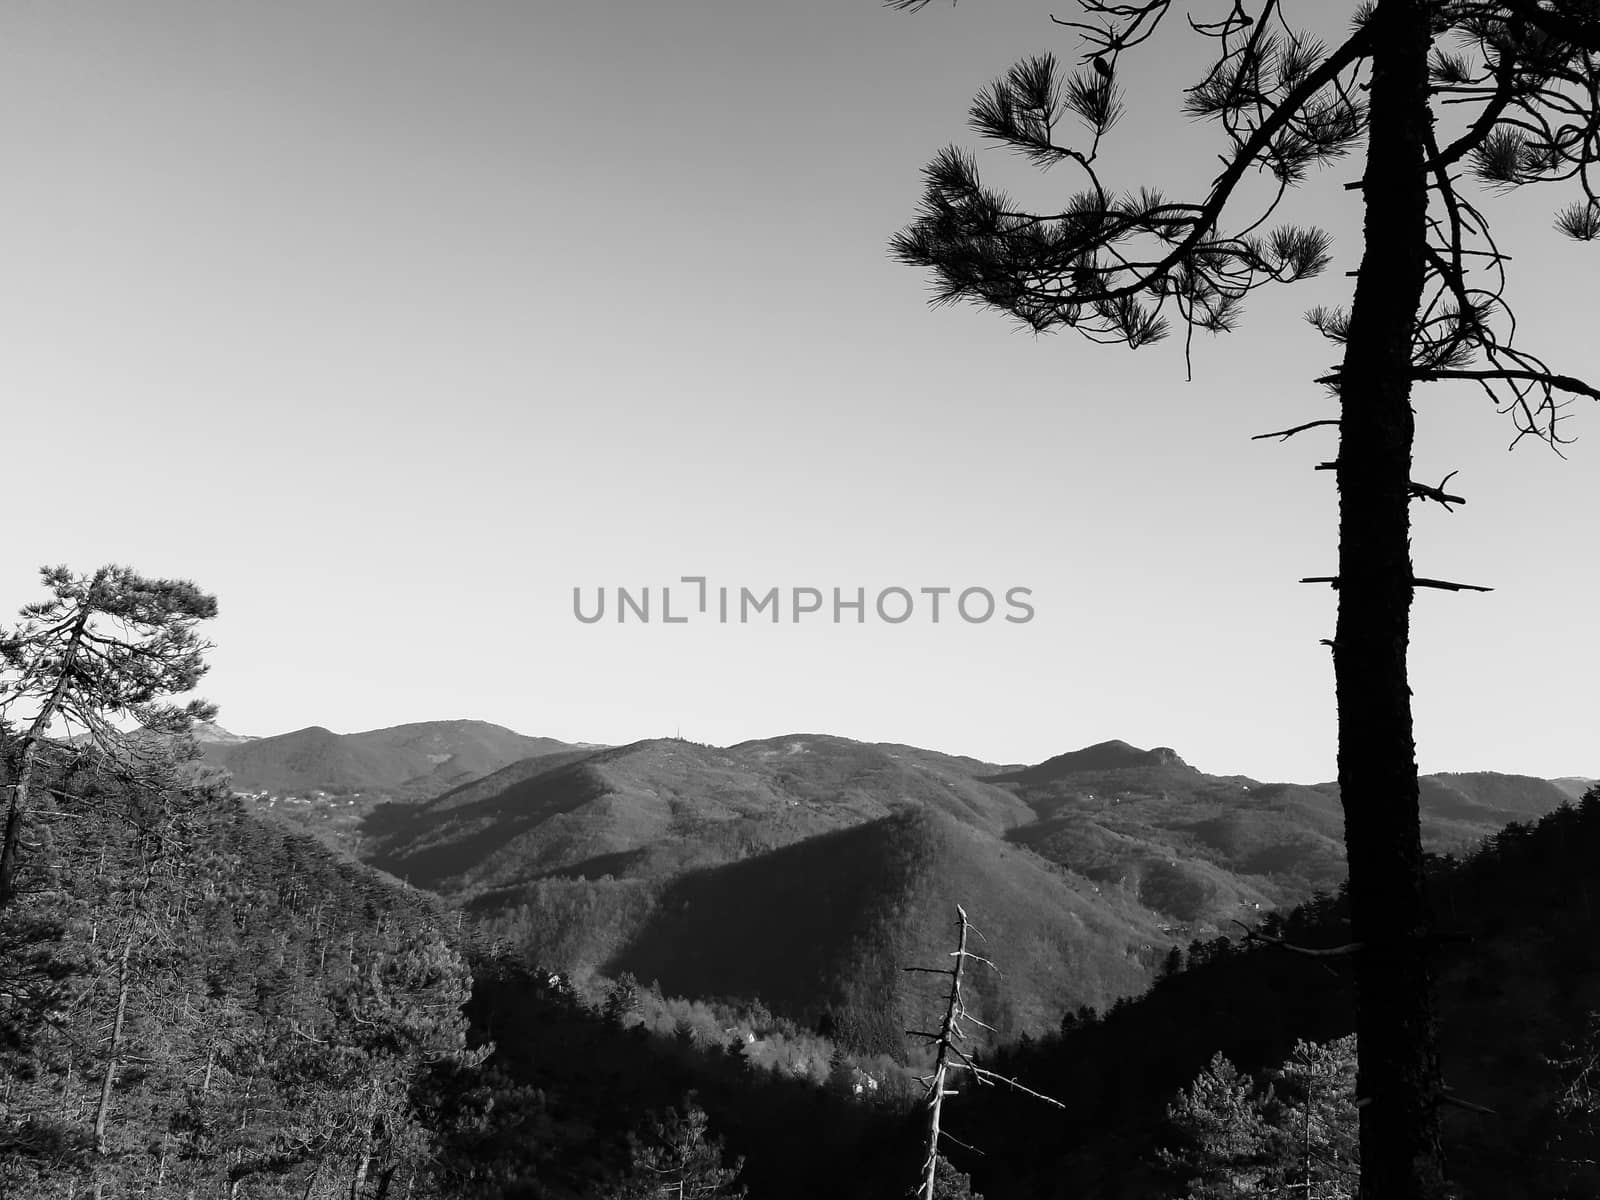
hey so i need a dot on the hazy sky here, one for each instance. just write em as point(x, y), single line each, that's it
point(391, 323)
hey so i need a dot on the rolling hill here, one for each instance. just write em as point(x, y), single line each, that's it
point(792, 869)
point(1200, 847)
point(208, 734)
point(802, 870)
point(826, 926)
point(410, 762)
point(1575, 785)
point(656, 808)
point(1517, 989)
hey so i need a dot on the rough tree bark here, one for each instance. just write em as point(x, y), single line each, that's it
point(1398, 1083)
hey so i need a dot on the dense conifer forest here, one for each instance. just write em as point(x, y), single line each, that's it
point(199, 1000)
point(1519, 968)
point(197, 1003)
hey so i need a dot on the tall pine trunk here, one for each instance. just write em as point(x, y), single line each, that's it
point(364, 1157)
point(1398, 1079)
point(108, 1079)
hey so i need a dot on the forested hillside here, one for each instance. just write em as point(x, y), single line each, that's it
point(1519, 974)
point(196, 1001)
point(798, 871)
point(415, 762)
point(823, 929)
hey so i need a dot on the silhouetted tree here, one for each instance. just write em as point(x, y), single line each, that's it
point(1076, 1019)
point(1522, 79)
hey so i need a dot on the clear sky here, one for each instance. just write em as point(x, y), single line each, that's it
point(394, 322)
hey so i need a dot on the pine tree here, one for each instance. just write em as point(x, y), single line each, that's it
point(952, 1184)
point(103, 649)
point(675, 1159)
point(1313, 1111)
point(1225, 1141)
point(841, 1074)
point(1517, 84)
point(1293, 1136)
point(622, 1000)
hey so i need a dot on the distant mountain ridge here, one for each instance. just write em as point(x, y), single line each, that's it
point(670, 803)
point(1103, 756)
point(672, 859)
point(659, 805)
point(804, 869)
point(405, 762)
point(1575, 785)
point(208, 734)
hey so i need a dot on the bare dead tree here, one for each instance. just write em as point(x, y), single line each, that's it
point(949, 1054)
point(944, 1043)
point(1443, 93)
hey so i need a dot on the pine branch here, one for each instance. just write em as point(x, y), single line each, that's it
point(1566, 383)
point(1286, 434)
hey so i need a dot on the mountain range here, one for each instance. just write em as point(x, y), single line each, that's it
point(807, 870)
point(404, 762)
